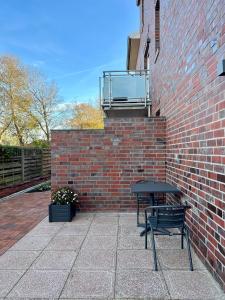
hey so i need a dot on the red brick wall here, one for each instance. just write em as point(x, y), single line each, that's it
point(188, 92)
point(102, 164)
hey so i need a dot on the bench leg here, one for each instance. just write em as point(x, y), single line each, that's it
point(189, 249)
point(154, 250)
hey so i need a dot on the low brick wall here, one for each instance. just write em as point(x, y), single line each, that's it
point(102, 164)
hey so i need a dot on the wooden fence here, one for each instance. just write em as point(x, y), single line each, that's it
point(19, 165)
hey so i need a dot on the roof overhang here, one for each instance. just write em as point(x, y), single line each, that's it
point(132, 50)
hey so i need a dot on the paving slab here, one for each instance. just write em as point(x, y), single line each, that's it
point(45, 221)
point(128, 220)
point(134, 259)
point(89, 284)
point(8, 279)
point(65, 242)
point(36, 243)
point(44, 230)
point(73, 229)
point(131, 242)
point(101, 219)
point(140, 284)
point(107, 214)
point(85, 214)
point(93, 259)
point(192, 285)
point(173, 259)
point(55, 260)
point(168, 242)
point(131, 229)
point(103, 229)
point(100, 242)
point(93, 298)
point(83, 219)
point(40, 284)
point(28, 298)
point(127, 214)
point(17, 260)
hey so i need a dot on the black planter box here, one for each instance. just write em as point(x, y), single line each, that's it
point(61, 213)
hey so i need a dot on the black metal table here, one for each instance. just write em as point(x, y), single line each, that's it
point(151, 188)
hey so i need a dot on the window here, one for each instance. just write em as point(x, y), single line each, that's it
point(146, 56)
point(142, 13)
point(157, 26)
point(146, 61)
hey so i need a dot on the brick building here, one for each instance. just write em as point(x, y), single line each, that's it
point(183, 45)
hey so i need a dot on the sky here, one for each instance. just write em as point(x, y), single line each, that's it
point(71, 41)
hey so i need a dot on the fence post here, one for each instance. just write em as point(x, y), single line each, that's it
point(22, 163)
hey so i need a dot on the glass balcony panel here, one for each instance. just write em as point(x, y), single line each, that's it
point(125, 86)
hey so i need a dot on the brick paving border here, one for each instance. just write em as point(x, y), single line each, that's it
point(19, 215)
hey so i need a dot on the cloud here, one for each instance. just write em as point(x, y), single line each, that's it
point(85, 87)
point(90, 70)
point(63, 106)
point(33, 46)
point(38, 63)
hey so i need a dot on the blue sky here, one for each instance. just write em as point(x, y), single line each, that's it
point(71, 41)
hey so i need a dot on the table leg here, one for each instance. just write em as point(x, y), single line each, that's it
point(137, 211)
point(152, 196)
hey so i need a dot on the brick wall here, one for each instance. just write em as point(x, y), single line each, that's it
point(102, 164)
point(188, 92)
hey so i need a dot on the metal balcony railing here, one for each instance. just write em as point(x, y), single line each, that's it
point(124, 89)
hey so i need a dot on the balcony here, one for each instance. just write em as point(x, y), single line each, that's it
point(125, 93)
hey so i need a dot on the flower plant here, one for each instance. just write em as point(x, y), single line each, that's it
point(64, 195)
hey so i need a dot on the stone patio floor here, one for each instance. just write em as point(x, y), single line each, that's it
point(100, 256)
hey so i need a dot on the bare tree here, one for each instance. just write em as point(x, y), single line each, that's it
point(45, 100)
